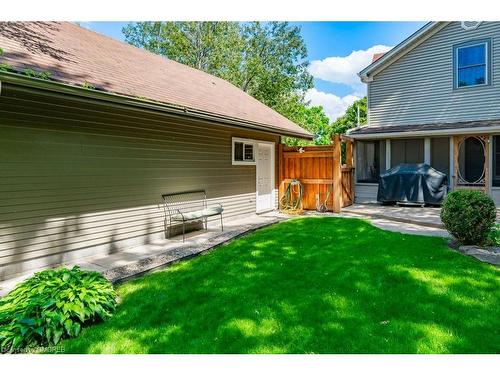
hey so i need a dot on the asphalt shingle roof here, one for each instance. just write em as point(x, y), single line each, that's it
point(75, 55)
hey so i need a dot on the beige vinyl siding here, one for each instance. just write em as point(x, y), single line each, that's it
point(418, 88)
point(82, 178)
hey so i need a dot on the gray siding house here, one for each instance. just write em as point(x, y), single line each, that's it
point(434, 98)
point(86, 155)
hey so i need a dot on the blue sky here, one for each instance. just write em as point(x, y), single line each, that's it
point(337, 51)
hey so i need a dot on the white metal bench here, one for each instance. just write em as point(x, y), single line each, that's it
point(188, 206)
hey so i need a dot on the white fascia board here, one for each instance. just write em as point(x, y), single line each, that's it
point(400, 50)
point(419, 134)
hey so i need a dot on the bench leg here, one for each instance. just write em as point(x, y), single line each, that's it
point(183, 231)
point(221, 224)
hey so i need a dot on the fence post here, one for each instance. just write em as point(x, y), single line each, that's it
point(280, 173)
point(350, 164)
point(337, 174)
point(348, 154)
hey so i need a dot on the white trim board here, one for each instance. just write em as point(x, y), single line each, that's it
point(401, 49)
point(421, 134)
point(247, 141)
point(427, 150)
point(273, 176)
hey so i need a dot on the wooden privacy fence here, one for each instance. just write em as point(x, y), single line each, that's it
point(324, 179)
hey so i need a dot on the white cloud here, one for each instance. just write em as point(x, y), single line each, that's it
point(344, 69)
point(333, 105)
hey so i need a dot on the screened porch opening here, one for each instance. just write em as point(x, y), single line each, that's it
point(440, 155)
point(368, 161)
point(471, 161)
point(407, 151)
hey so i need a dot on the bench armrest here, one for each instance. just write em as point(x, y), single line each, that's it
point(182, 215)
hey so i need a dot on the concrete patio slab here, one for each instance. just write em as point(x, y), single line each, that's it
point(422, 216)
point(392, 225)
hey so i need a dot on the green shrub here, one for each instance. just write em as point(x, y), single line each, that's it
point(494, 236)
point(52, 305)
point(469, 216)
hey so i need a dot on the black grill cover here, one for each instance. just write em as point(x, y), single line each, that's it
point(413, 183)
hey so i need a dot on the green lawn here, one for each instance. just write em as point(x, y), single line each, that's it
point(309, 285)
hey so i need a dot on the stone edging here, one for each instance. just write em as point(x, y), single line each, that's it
point(122, 273)
point(488, 256)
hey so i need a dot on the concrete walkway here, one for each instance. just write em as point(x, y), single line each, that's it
point(136, 260)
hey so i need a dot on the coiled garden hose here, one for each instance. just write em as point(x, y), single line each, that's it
point(291, 201)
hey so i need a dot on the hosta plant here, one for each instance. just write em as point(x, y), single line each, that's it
point(52, 305)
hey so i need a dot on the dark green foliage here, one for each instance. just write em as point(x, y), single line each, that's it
point(4, 67)
point(350, 119)
point(469, 215)
point(87, 85)
point(312, 119)
point(494, 236)
point(309, 285)
point(52, 305)
point(33, 73)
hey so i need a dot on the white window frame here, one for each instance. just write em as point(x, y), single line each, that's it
point(486, 64)
point(245, 141)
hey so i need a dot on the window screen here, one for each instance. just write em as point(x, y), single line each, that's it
point(496, 160)
point(407, 151)
point(440, 154)
point(367, 161)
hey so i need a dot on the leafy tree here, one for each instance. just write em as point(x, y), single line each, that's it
point(350, 118)
point(312, 119)
point(266, 60)
point(273, 64)
point(214, 47)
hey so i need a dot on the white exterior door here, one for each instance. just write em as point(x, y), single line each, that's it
point(265, 177)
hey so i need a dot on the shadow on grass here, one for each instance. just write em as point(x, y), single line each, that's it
point(310, 285)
